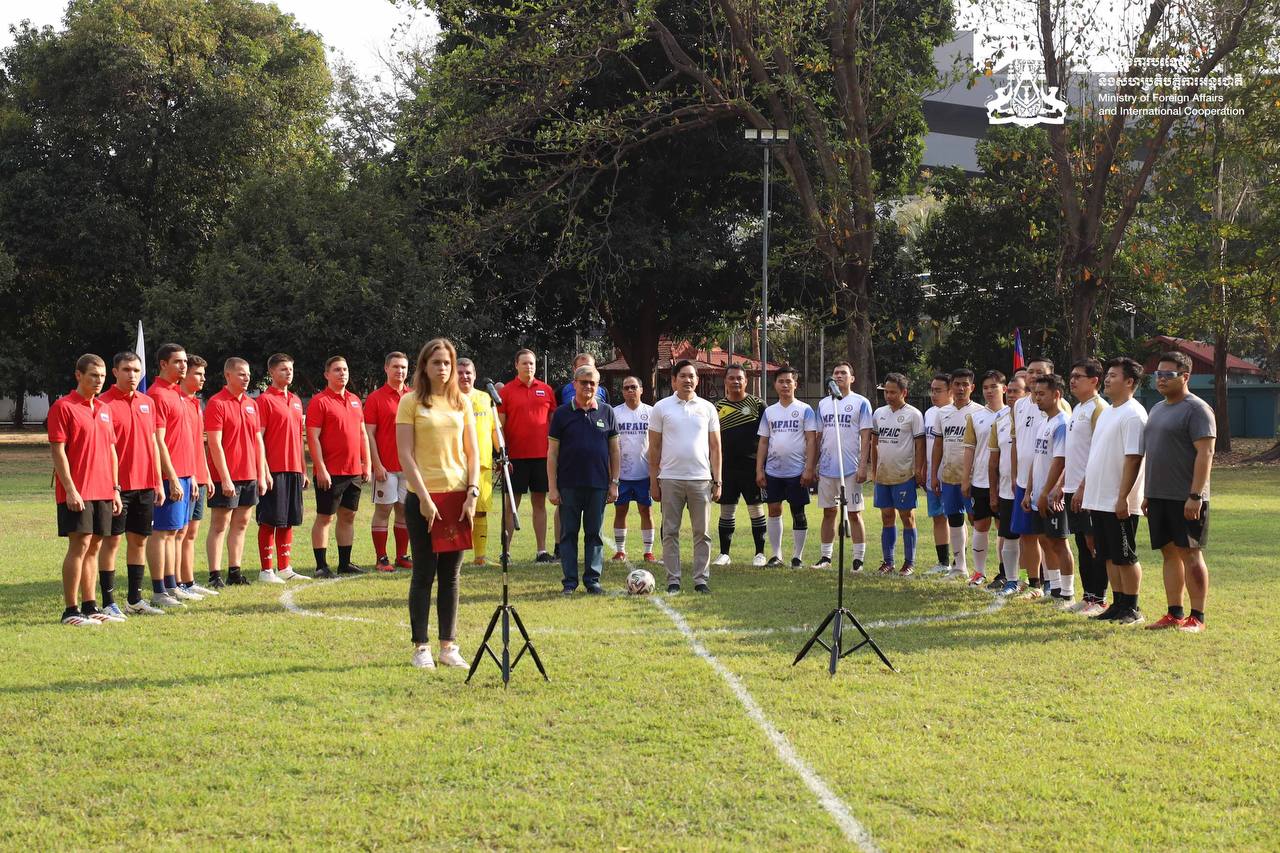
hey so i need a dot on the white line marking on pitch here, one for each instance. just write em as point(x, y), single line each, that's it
point(836, 807)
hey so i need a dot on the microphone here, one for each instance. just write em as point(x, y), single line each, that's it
point(493, 392)
point(834, 390)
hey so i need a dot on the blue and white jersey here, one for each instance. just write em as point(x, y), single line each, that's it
point(786, 428)
point(855, 415)
point(633, 440)
point(1050, 442)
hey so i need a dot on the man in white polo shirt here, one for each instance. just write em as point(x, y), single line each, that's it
point(684, 471)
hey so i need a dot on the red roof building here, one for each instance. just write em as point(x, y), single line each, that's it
point(1201, 354)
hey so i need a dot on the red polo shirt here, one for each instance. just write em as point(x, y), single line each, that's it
point(380, 411)
point(281, 415)
point(86, 428)
point(237, 420)
point(195, 425)
point(171, 413)
point(135, 420)
point(340, 419)
point(528, 410)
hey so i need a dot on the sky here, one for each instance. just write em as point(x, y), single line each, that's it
point(357, 29)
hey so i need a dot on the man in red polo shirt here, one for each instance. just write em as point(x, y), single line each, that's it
point(82, 440)
point(340, 460)
point(139, 448)
point(389, 485)
point(527, 406)
point(238, 462)
point(192, 385)
point(280, 509)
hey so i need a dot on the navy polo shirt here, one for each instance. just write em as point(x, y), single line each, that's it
point(583, 436)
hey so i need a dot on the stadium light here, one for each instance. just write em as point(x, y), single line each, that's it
point(766, 138)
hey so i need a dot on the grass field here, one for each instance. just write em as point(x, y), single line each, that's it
point(241, 725)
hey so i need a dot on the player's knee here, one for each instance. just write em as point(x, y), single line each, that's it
point(955, 519)
point(799, 521)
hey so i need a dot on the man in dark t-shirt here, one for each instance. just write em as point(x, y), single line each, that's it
point(740, 415)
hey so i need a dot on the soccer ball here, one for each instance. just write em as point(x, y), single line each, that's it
point(640, 582)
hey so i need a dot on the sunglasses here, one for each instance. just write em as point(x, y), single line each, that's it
point(630, 387)
point(1165, 374)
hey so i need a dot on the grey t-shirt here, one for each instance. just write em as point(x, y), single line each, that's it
point(1172, 431)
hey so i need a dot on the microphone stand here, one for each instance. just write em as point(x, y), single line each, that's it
point(506, 610)
point(840, 614)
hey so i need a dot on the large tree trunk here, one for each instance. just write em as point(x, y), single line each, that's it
point(1221, 410)
point(858, 341)
point(636, 335)
point(1083, 304)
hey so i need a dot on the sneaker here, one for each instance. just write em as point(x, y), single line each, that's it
point(823, 563)
point(99, 617)
point(200, 590)
point(114, 613)
point(886, 568)
point(478, 561)
point(1079, 607)
point(977, 579)
point(323, 573)
point(568, 590)
point(216, 582)
point(649, 557)
point(142, 608)
point(422, 657)
point(1067, 605)
point(774, 562)
point(938, 569)
point(1192, 625)
point(907, 570)
point(1131, 617)
point(79, 620)
point(595, 589)
point(269, 576)
point(164, 600)
point(404, 561)
point(544, 557)
point(702, 587)
point(997, 584)
point(238, 579)
point(722, 560)
point(291, 575)
point(384, 565)
point(796, 563)
point(1031, 593)
point(618, 556)
point(452, 657)
point(184, 594)
point(955, 573)
point(1166, 621)
point(1110, 614)
point(673, 588)
point(350, 569)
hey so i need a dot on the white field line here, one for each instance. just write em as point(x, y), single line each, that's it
point(854, 831)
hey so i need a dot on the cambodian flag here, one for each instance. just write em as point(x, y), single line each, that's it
point(1018, 361)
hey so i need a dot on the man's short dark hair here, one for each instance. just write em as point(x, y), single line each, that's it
point(633, 376)
point(681, 365)
point(1042, 360)
point(1053, 381)
point(277, 359)
point(962, 373)
point(386, 359)
point(195, 361)
point(900, 380)
point(1179, 358)
point(167, 351)
point(524, 351)
point(842, 364)
point(88, 360)
point(785, 369)
point(993, 374)
point(1129, 368)
point(1091, 367)
point(124, 357)
point(329, 362)
point(735, 366)
point(941, 377)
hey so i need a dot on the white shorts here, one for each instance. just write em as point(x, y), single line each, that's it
point(829, 492)
point(392, 491)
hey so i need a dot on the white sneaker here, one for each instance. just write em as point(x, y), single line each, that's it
point(956, 573)
point(269, 576)
point(101, 618)
point(185, 594)
point(452, 657)
point(113, 612)
point(142, 608)
point(758, 560)
point(1068, 605)
point(291, 575)
point(165, 600)
point(201, 591)
point(422, 657)
point(722, 560)
point(938, 569)
point(79, 620)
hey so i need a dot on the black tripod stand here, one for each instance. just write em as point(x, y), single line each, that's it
point(841, 614)
point(506, 611)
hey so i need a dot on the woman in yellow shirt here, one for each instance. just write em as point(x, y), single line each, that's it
point(436, 437)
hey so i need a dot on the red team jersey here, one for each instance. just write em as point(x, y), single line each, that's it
point(135, 422)
point(340, 418)
point(380, 411)
point(528, 411)
point(86, 428)
point(195, 425)
point(171, 414)
point(281, 415)
point(237, 420)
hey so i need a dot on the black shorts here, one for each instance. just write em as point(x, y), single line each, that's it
point(139, 510)
point(1005, 519)
point(529, 475)
point(1081, 523)
point(282, 505)
point(343, 491)
point(246, 494)
point(737, 482)
point(197, 508)
point(94, 519)
point(1114, 539)
point(1166, 523)
point(789, 489)
point(1055, 525)
point(981, 503)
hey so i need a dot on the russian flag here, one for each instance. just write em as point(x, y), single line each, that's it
point(140, 349)
point(1018, 361)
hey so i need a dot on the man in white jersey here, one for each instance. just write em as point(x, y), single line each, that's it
point(1084, 380)
point(855, 443)
point(947, 465)
point(897, 465)
point(1027, 419)
point(1049, 516)
point(939, 396)
point(786, 462)
point(976, 479)
point(1112, 490)
point(1000, 475)
point(632, 417)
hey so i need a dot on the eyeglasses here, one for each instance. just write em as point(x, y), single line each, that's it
point(630, 387)
point(1079, 376)
point(1166, 374)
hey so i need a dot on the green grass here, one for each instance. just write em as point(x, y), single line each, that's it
point(238, 725)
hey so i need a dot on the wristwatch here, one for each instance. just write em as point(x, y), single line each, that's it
point(1195, 497)
point(474, 491)
point(615, 482)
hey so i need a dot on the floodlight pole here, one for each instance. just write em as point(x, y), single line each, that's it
point(766, 138)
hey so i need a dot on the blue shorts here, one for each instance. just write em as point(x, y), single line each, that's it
point(634, 490)
point(779, 489)
point(900, 496)
point(953, 500)
point(934, 502)
point(174, 515)
point(197, 508)
point(1021, 522)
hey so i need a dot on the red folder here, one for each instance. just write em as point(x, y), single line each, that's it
point(448, 534)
